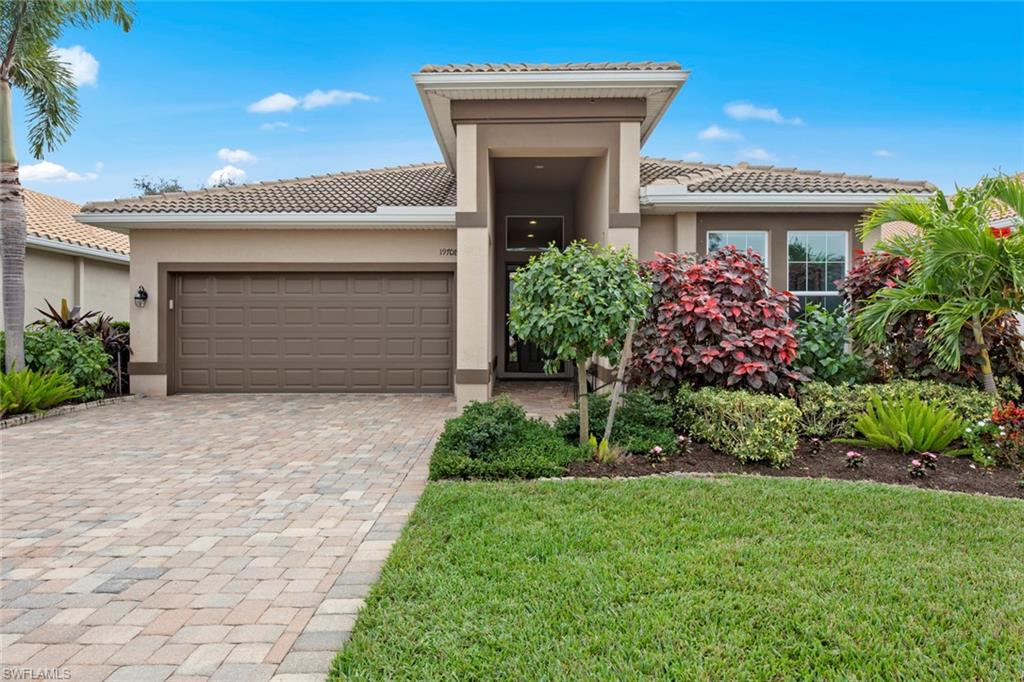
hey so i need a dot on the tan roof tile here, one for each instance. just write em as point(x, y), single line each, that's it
point(50, 217)
point(563, 66)
point(433, 185)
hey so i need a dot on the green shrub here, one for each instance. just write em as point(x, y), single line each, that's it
point(496, 440)
point(908, 424)
point(831, 411)
point(29, 391)
point(50, 349)
point(641, 422)
point(749, 426)
point(822, 351)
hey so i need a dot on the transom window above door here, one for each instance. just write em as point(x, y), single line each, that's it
point(816, 261)
point(533, 233)
point(742, 240)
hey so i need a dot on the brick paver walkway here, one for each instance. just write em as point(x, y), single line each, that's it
point(203, 537)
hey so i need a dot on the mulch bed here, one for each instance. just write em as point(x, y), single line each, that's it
point(882, 466)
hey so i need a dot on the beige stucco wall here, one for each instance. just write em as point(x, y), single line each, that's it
point(657, 233)
point(51, 276)
point(152, 247)
point(592, 201)
point(107, 288)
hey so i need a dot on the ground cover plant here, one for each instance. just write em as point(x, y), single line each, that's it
point(728, 578)
point(641, 424)
point(496, 439)
point(715, 321)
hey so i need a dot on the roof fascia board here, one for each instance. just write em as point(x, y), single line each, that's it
point(671, 196)
point(431, 217)
point(75, 249)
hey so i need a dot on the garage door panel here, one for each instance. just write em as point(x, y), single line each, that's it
point(270, 332)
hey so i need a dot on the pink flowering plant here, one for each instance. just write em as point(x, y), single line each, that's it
point(917, 469)
point(855, 460)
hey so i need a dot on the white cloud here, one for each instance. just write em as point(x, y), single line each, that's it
point(745, 111)
point(320, 98)
point(882, 153)
point(99, 166)
point(756, 154)
point(715, 132)
point(235, 155)
point(693, 156)
point(83, 66)
point(273, 126)
point(47, 171)
point(279, 101)
point(228, 173)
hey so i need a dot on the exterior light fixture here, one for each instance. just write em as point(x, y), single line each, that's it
point(529, 236)
point(539, 166)
point(533, 222)
point(141, 296)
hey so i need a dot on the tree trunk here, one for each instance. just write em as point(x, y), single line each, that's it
point(987, 379)
point(624, 357)
point(581, 371)
point(12, 230)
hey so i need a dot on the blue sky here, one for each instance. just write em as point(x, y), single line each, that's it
point(918, 91)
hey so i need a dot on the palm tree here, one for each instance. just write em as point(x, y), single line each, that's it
point(28, 30)
point(962, 273)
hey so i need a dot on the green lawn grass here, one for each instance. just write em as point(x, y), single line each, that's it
point(717, 579)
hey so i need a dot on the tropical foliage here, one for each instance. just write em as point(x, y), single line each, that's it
point(715, 321)
point(80, 357)
point(575, 304)
point(909, 424)
point(641, 423)
point(28, 62)
point(961, 273)
point(822, 352)
point(905, 352)
point(28, 391)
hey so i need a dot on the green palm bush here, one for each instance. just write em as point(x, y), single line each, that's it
point(908, 424)
point(30, 391)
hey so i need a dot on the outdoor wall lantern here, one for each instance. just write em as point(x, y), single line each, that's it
point(141, 296)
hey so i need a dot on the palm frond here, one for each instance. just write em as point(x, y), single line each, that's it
point(50, 93)
point(900, 208)
point(1007, 190)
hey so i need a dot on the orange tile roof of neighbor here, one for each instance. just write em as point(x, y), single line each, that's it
point(432, 184)
point(50, 217)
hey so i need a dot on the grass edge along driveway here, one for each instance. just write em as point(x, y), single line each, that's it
point(724, 578)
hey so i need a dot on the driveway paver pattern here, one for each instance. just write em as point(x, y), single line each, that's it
point(203, 536)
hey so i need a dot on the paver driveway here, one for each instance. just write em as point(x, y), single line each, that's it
point(223, 537)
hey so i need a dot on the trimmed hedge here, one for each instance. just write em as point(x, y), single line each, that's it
point(641, 422)
point(750, 426)
point(496, 440)
point(831, 411)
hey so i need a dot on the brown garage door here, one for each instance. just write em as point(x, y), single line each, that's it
point(256, 332)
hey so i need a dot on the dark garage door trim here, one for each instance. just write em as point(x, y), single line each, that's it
point(168, 271)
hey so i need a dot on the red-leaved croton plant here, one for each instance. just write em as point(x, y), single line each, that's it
point(715, 321)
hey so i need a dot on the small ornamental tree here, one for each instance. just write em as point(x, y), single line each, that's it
point(575, 304)
point(715, 321)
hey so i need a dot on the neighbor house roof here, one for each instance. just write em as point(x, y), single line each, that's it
point(433, 185)
point(564, 66)
point(1002, 215)
point(50, 218)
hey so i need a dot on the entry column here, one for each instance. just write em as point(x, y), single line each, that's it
point(474, 275)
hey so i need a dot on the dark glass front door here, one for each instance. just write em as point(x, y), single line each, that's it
point(520, 356)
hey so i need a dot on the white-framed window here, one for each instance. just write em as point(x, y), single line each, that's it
point(741, 239)
point(815, 260)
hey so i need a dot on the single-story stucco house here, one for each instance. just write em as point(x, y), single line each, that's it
point(66, 259)
point(396, 279)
